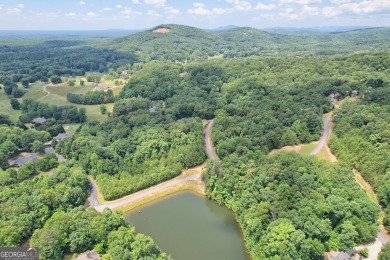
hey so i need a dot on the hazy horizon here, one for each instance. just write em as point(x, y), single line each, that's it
point(86, 15)
point(335, 27)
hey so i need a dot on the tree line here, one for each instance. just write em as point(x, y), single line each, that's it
point(362, 140)
point(66, 114)
point(92, 97)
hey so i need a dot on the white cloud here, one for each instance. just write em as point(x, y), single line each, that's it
point(119, 6)
point(219, 11)
point(309, 10)
point(240, 5)
point(52, 14)
point(367, 6)
point(340, 1)
point(243, 6)
point(153, 13)
point(107, 9)
point(20, 6)
point(129, 11)
point(300, 2)
point(198, 5)
point(200, 9)
point(91, 14)
point(331, 11)
point(136, 2)
point(302, 13)
point(82, 3)
point(171, 11)
point(14, 10)
point(261, 6)
point(155, 2)
point(357, 8)
point(70, 14)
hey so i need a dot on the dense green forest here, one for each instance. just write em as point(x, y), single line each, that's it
point(79, 230)
point(362, 139)
point(293, 207)
point(92, 97)
point(184, 43)
point(39, 62)
point(134, 151)
point(289, 206)
point(50, 209)
point(262, 104)
point(65, 114)
point(26, 206)
point(14, 139)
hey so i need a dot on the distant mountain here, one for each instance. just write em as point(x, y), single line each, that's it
point(316, 30)
point(91, 34)
point(183, 43)
point(222, 28)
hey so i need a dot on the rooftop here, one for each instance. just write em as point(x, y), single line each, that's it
point(23, 159)
point(62, 136)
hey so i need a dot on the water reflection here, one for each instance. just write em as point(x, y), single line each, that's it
point(190, 227)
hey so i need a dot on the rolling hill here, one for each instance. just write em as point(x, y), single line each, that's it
point(181, 43)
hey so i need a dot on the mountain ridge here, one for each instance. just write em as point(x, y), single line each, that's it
point(181, 43)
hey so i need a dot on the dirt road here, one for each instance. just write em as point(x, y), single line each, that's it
point(324, 136)
point(210, 150)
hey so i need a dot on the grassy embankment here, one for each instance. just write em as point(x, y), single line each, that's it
point(193, 185)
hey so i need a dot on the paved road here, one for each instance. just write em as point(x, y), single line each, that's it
point(210, 151)
point(324, 136)
point(93, 201)
point(374, 248)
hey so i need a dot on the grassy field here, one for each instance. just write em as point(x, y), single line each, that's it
point(56, 95)
point(35, 91)
point(71, 128)
point(6, 109)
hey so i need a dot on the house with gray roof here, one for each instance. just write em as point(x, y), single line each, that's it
point(23, 159)
point(39, 120)
point(62, 136)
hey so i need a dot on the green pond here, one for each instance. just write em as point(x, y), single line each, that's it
point(190, 227)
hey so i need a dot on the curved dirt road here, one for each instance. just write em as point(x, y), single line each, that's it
point(93, 201)
point(324, 136)
point(47, 92)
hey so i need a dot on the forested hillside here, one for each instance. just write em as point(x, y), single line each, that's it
point(39, 62)
point(362, 139)
point(293, 207)
point(263, 90)
point(265, 103)
point(184, 43)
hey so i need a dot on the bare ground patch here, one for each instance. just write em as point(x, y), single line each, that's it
point(162, 30)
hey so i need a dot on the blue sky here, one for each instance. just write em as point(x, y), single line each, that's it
point(141, 14)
